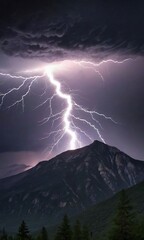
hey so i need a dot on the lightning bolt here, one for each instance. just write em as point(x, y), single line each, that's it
point(68, 115)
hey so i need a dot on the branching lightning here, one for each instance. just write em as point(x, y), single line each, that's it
point(68, 110)
point(70, 116)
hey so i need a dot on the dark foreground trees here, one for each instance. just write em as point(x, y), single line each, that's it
point(3, 235)
point(23, 232)
point(77, 231)
point(125, 227)
point(65, 231)
point(43, 235)
point(124, 222)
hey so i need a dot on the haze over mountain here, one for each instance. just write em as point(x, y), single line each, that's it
point(13, 169)
point(69, 183)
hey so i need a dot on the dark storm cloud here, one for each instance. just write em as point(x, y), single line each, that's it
point(65, 29)
point(55, 30)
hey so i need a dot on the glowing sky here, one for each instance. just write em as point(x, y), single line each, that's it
point(39, 35)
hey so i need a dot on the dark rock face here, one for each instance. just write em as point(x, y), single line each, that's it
point(69, 183)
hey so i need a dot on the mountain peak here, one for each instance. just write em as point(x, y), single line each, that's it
point(100, 145)
point(70, 182)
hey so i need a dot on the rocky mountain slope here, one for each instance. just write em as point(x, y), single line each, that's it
point(69, 183)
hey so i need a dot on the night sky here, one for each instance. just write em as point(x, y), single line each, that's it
point(36, 34)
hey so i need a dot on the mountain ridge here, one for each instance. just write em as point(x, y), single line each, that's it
point(68, 183)
point(67, 152)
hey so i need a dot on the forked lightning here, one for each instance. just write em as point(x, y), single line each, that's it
point(68, 116)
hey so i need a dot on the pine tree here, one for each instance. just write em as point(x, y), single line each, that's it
point(43, 234)
point(4, 235)
point(124, 220)
point(85, 233)
point(64, 231)
point(10, 238)
point(140, 229)
point(77, 233)
point(23, 233)
point(38, 237)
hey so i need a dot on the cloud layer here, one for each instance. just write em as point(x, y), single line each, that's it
point(56, 30)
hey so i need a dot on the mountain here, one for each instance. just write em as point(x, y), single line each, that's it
point(69, 183)
point(12, 170)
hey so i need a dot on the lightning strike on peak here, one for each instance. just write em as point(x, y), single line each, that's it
point(68, 115)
